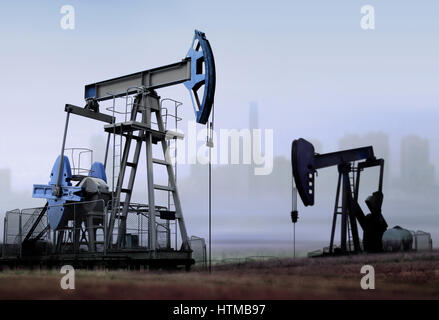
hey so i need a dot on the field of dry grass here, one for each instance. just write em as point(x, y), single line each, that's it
point(398, 276)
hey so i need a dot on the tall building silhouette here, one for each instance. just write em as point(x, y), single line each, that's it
point(381, 147)
point(416, 170)
point(379, 141)
point(5, 181)
point(98, 144)
point(253, 181)
point(253, 116)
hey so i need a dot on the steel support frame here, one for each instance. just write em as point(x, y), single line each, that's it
point(347, 214)
point(347, 199)
point(150, 104)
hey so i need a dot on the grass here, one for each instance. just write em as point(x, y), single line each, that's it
point(398, 276)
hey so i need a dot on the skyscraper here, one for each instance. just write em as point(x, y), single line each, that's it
point(5, 181)
point(253, 116)
point(252, 180)
point(381, 147)
point(416, 170)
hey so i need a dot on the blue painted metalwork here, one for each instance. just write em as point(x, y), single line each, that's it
point(201, 56)
point(98, 171)
point(55, 210)
point(90, 92)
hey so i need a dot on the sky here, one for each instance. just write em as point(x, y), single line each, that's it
point(310, 67)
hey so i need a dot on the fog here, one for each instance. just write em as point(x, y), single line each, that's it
point(252, 213)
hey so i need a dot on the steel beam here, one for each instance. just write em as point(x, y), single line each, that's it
point(151, 79)
point(345, 156)
point(89, 114)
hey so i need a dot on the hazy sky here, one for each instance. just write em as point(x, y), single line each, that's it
point(313, 71)
point(310, 67)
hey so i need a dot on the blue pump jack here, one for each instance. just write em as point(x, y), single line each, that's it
point(68, 194)
point(77, 206)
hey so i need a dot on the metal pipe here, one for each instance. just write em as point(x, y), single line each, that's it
point(20, 231)
point(294, 216)
point(210, 206)
point(105, 218)
point(294, 241)
point(380, 185)
point(106, 150)
point(5, 230)
point(294, 197)
point(61, 164)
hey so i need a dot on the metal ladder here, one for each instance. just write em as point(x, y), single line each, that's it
point(338, 210)
point(172, 146)
point(352, 184)
point(123, 164)
point(174, 205)
point(149, 136)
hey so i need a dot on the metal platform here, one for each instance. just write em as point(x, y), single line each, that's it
point(30, 243)
point(124, 128)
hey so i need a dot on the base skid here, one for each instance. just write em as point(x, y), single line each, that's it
point(131, 260)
